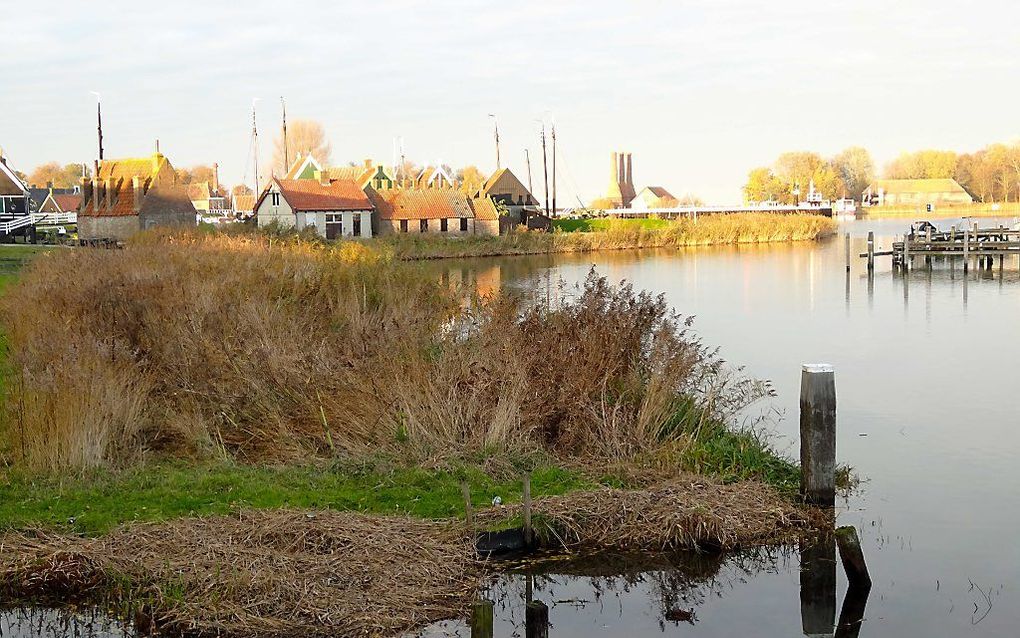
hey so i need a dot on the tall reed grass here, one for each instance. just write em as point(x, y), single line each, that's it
point(618, 234)
point(268, 351)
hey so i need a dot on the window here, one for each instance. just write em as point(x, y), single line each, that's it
point(442, 225)
point(356, 228)
point(275, 197)
point(403, 225)
point(423, 225)
point(463, 224)
point(334, 225)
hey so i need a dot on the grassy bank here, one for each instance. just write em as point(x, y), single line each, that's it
point(274, 418)
point(607, 234)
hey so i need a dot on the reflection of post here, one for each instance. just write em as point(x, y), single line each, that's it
point(536, 620)
point(818, 586)
point(848, 289)
point(852, 614)
point(481, 619)
point(847, 247)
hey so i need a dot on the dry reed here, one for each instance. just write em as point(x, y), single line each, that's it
point(280, 573)
point(269, 351)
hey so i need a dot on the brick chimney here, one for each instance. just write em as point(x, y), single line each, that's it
point(157, 159)
point(216, 177)
point(368, 163)
point(628, 177)
point(322, 177)
point(109, 186)
point(136, 189)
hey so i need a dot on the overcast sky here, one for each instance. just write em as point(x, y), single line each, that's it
point(700, 92)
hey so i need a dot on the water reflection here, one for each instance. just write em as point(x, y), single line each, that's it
point(60, 623)
point(671, 594)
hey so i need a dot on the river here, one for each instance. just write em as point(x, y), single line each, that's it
point(925, 416)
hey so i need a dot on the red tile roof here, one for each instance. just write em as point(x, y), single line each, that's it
point(430, 203)
point(67, 203)
point(485, 208)
point(310, 194)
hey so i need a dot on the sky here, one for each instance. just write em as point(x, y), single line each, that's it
point(699, 91)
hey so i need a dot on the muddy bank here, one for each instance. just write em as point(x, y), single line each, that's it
point(290, 573)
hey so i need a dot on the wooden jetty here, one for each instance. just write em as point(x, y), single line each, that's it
point(926, 241)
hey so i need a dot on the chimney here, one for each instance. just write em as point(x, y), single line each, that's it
point(322, 177)
point(109, 193)
point(629, 177)
point(136, 188)
point(216, 177)
point(157, 159)
point(85, 190)
point(368, 163)
point(614, 172)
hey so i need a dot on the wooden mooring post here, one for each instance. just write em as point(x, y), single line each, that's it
point(906, 252)
point(481, 619)
point(818, 434)
point(846, 246)
point(966, 248)
point(536, 620)
point(871, 251)
point(852, 556)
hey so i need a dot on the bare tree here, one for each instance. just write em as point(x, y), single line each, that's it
point(306, 137)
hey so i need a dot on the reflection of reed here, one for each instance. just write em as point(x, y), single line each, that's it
point(58, 623)
point(673, 585)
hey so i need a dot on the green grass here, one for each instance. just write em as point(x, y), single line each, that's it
point(732, 456)
point(97, 502)
point(599, 225)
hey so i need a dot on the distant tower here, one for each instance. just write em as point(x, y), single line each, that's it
point(627, 191)
point(614, 194)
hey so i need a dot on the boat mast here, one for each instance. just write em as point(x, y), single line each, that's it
point(545, 171)
point(286, 151)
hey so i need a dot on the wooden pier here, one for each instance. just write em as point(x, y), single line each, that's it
point(968, 241)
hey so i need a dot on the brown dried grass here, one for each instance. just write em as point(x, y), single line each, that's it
point(294, 573)
point(258, 573)
point(269, 351)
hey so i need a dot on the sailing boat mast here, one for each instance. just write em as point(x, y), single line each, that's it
point(286, 150)
point(545, 172)
point(99, 121)
point(255, 146)
point(554, 170)
point(527, 158)
point(495, 123)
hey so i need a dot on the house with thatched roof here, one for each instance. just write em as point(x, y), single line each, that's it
point(334, 208)
point(916, 192)
point(125, 196)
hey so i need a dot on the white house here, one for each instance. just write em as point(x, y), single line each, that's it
point(335, 208)
point(653, 197)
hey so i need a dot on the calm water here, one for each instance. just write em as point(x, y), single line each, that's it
point(926, 382)
point(926, 378)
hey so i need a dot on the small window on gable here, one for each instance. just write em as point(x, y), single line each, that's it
point(275, 197)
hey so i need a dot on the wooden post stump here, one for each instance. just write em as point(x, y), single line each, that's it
point(536, 620)
point(481, 619)
point(852, 556)
point(818, 434)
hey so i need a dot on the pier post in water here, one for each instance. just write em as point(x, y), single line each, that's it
point(906, 251)
point(818, 434)
point(852, 556)
point(481, 619)
point(966, 248)
point(536, 620)
point(871, 251)
point(846, 247)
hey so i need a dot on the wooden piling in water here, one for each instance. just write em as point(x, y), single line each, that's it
point(906, 252)
point(852, 557)
point(536, 620)
point(846, 246)
point(528, 532)
point(871, 251)
point(818, 434)
point(966, 248)
point(481, 619)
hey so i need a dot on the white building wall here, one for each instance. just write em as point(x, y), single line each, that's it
point(267, 213)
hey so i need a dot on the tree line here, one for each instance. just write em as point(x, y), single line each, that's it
point(991, 174)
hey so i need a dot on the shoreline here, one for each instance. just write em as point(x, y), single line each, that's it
point(296, 572)
point(618, 234)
